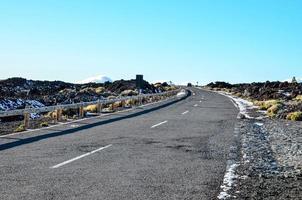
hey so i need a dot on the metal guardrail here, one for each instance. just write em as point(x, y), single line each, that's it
point(81, 105)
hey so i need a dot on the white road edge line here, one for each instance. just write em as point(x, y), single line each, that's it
point(185, 112)
point(159, 124)
point(79, 157)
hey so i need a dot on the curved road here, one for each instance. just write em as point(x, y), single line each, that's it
point(177, 151)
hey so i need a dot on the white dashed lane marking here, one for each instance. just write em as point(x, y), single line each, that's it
point(156, 125)
point(79, 157)
point(185, 112)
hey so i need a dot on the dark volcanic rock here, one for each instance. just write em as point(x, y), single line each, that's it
point(284, 92)
point(219, 84)
point(263, 91)
point(121, 85)
point(58, 92)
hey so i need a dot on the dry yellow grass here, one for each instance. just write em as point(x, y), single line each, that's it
point(99, 90)
point(117, 104)
point(298, 98)
point(265, 105)
point(20, 128)
point(294, 116)
point(51, 115)
point(44, 124)
point(91, 108)
point(273, 110)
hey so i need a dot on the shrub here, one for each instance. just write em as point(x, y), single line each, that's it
point(294, 116)
point(20, 128)
point(129, 93)
point(117, 104)
point(265, 105)
point(44, 124)
point(130, 102)
point(273, 110)
point(238, 94)
point(51, 115)
point(87, 90)
point(99, 90)
point(298, 98)
point(91, 108)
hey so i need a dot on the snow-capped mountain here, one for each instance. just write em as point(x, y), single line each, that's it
point(95, 79)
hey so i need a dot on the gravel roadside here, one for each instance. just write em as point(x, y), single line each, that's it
point(270, 161)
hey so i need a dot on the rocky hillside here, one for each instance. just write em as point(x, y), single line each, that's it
point(18, 92)
point(263, 91)
point(280, 99)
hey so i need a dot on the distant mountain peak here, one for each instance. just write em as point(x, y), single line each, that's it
point(96, 79)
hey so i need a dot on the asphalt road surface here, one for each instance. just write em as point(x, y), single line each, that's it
point(174, 151)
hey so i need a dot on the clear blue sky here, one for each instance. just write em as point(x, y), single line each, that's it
point(178, 40)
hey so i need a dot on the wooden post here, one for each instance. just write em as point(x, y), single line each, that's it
point(99, 108)
point(54, 117)
point(81, 112)
point(26, 120)
point(123, 103)
point(59, 115)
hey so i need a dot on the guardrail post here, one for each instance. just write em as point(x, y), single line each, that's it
point(26, 120)
point(99, 108)
point(81, 112)
point(54, 117)
point(112, 107)
point(59, 115)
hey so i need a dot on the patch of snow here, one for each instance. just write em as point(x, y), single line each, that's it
point(288, 94)
point(242, 104)
point(6, 105)
point(96, 79)
point(181, 94)
point(261, 117)
point(34, 115)
point(228, 181)
point(262, 111)
point(258, 124)
point(34, 103)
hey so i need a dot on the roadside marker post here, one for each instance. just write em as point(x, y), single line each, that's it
point(59, 115)
point(26, 120)
point(99, 107)
point(81, 112)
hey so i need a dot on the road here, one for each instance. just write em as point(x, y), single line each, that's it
point(174, 151)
